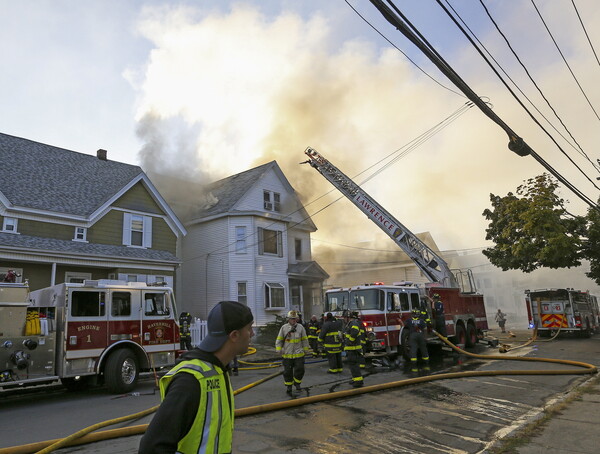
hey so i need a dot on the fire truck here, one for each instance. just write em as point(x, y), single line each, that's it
point(101, 331)
point(564, 309)
point(384, 307)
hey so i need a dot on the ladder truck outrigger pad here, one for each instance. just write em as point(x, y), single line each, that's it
point(382, 307)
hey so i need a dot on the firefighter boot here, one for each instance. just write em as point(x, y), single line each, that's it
point(289, 390)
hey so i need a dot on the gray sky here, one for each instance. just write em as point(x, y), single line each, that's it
point(204, 89)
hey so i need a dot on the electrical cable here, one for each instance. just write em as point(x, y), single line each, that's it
point(400, 152)
point(577, 148)
point(585, 31)
point(516, 143)
point(401, 51)
point(565, 60)
point(542, 95)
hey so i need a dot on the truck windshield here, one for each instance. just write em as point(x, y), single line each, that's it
point(336, 301)
point(366, 299)
point(550, 295)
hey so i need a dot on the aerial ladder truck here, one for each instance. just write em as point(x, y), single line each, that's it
point(383, 307)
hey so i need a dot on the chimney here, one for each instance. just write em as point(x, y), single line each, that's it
point(101, 154)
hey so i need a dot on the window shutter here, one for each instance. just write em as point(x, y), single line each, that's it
point(127, 229)
point(261, 244)
point(147, 231)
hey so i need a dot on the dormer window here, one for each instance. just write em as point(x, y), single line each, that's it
point(9, 225)
point(272, 201)
point(80, 234)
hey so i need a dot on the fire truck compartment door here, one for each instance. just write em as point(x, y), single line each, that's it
point(87, 320)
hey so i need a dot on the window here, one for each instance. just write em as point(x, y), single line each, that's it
point(274, 295)
point(397, 302)
point(270, 242)
point(240, 239)
point(88, 304)
point(80, 234)
point(137, 230)
point(298, 247)
point(76, 278)
point(9, 225)
point(242, 295)
point(156, 304)
point(121, 304)
point(132, 278)
point(272, 201)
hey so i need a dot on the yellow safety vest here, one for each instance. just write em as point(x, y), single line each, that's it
point(212, 430)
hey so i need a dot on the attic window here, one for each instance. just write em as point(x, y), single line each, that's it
point(9, 225)
point(272, 201)
point(80, 234)
point(137, 230)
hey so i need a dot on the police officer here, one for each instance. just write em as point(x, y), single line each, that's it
point(292, 343)
point(314, 328)
point(185, 333)
point(416, 338)
point(331, 337)
point(197, 409)
point(438, 314)
point(353, 346)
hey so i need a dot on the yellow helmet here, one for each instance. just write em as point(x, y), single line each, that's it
point(292, 314)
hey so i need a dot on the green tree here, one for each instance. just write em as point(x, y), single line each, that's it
point(533, 229)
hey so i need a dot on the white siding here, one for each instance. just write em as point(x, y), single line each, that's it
point(293, 235)
point(205, 254)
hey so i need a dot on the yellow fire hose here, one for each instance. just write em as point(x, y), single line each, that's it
point(83, 436)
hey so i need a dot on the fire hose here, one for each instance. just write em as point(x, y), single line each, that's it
point(84, 436)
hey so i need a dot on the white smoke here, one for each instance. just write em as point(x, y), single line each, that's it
point(245, 88)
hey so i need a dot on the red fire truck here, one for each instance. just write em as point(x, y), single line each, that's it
point(564, 309)
point(97, 331)
point(383, 306)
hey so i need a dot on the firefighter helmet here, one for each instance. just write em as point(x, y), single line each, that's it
point(292, 314)
point(436, 296)
point(416, 311)
point(355, 314)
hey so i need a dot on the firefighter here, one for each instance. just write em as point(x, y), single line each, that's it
point(438, 314)
point(185, 333)
point(363, 340)
point(314, 328)
point(331, 336)
point(292, 343)
point(197, 409)
point(416, 339)
point(353, 346)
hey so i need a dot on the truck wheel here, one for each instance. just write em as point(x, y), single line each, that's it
point(75, 384)
point(460, 336)
point(121, 371)
point(404, 348)
point(471, 337)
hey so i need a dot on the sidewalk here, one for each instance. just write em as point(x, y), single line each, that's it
point(568, 424)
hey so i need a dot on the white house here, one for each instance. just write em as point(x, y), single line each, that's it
point(249, 241)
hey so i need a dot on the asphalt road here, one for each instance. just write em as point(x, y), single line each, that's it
point(446, 416)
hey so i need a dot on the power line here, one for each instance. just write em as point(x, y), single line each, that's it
point(565, 60)
point(401, 152)
point(545, 99)
point(516, 143)
point(585, 31)
point(578, 148)
point(401, 51)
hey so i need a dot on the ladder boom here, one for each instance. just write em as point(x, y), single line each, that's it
point(430, 263)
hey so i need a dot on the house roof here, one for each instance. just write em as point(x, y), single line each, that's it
point(307, 270)
point(34, 244)
point(229, 191)
point(37, 176)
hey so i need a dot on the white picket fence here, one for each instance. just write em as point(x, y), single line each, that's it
point(198, 330)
